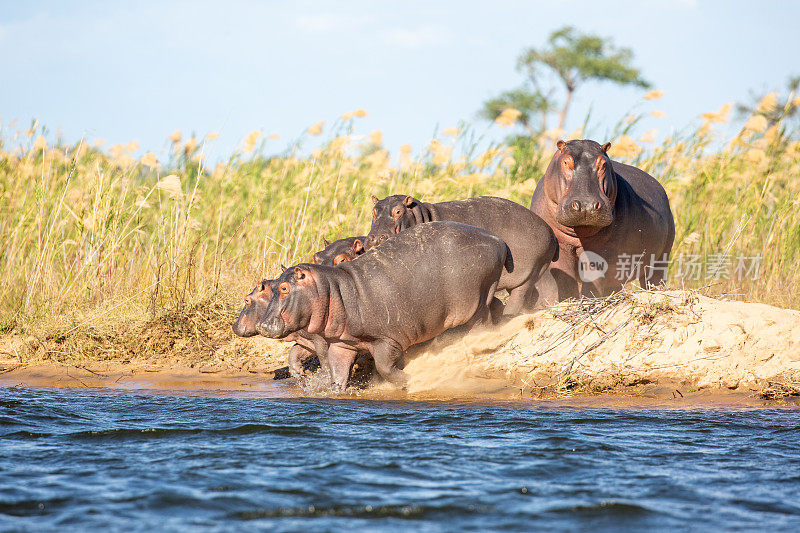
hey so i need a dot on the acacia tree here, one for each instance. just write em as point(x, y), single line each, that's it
point(527, 102)
point(569, 58)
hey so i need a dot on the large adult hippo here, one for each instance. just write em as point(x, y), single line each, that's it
point(529, 239)
point(407, 291)
point(605, 215)
point(340, 250)
point(302, 354)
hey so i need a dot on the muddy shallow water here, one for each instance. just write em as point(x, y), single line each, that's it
point(80, 458)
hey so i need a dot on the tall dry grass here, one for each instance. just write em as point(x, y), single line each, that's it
point(88, 233)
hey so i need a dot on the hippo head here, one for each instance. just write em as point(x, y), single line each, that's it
point(582, 184)
point(339, 251)
point(391, 215)
point(356, 249)
point(293, 304)
point(255, 304)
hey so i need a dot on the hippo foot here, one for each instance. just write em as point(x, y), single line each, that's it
point(281, 373)
point(311, 364)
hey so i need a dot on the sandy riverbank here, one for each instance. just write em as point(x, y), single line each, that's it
point(670, 348)
point(122, 378)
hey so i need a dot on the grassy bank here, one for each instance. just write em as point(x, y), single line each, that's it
point(93, 240)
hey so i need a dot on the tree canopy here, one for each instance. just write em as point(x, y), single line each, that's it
point(569, 59)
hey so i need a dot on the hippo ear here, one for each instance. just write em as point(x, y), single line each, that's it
point(560, 145)
point(374, 199)
point(606, 147)
point(358, 246)
point(301, 274)
point(408, 201)
point(325, 242)
point(283, 267)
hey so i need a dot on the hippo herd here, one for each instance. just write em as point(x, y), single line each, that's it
point(426, 268)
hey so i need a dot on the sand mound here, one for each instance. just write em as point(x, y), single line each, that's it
point(631, 338)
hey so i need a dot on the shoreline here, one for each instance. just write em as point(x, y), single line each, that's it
point(661, 349)
point(129, 378)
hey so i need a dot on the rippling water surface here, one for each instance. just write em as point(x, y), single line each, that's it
point(76, 459)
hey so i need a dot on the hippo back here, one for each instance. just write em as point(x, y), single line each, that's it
point(645, 193)
point(529, 238)
point(424, 280)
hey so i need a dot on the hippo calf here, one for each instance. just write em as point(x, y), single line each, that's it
point(340, 250)
point(407, 291)
point(530, 240)
point(613, 221)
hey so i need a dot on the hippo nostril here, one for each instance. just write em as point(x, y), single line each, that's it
point(576, 206)
point(383, 238)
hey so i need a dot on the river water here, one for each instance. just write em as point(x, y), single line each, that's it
point(90, 459)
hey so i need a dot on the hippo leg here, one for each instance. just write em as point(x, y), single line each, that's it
point(481, 319)
point(496, 308)
point(297, 355)
point(321, 349)
point(388, 358)
point(548, 290)
point(567, 284)
point(522, 299)
point(595, 289)
point(340, 361)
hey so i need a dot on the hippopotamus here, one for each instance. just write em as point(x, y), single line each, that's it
point(301, 356)
point(409, 290)
point(340, 250)
point(613, 221)
point(529, 239)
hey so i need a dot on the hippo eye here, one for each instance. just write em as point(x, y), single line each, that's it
point(284, 288)
point(397, 211)
point(568, 164)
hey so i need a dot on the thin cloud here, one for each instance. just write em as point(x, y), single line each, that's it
point(329, 22)
point(419, 37)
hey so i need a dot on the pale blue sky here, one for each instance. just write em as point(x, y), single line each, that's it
point(139, 70)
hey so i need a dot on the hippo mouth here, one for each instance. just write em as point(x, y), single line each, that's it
point(243, 331)
point(273, 327)
point(595, 219)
